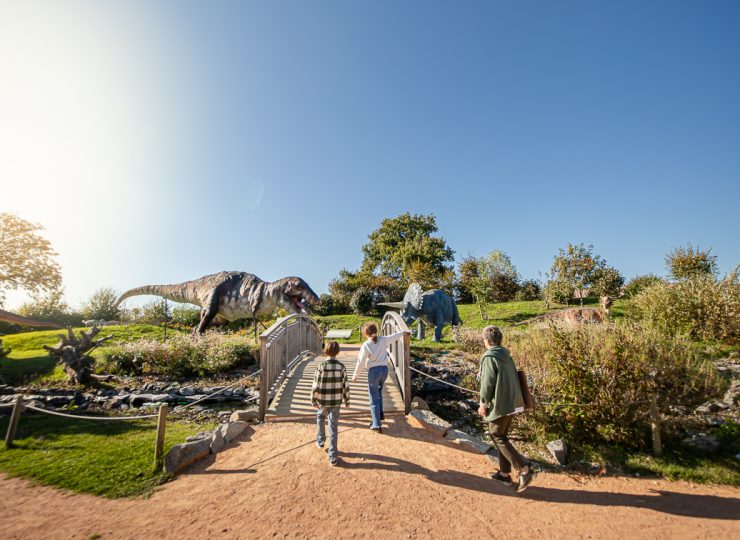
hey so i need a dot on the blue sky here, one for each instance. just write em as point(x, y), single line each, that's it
point(184, 138)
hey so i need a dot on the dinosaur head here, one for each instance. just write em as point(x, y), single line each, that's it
point(295, 295)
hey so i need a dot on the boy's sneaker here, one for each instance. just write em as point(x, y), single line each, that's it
point(526, 479)
point(319, 445)
point(501, 479)
point(333, 462)
point(376, 429)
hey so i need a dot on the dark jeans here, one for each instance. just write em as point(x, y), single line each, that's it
point(507, 454)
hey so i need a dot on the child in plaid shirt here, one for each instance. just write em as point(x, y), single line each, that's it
point(330, 387)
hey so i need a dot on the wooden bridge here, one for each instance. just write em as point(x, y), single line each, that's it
point(292, 347)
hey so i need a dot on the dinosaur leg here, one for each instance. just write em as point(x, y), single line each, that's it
point(208, 313)
point(438, 332)
point(420, 331)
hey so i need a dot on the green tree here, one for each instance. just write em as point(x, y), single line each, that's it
point(502, 276)
point(156, 311)
point(102, 305)
point(186, 315)
point(575, 265)
point(26, 259)
point(49, 306)
point(404, 241)
point(688, 262)
point(639, 283)
point(467, 270)
point(607, 281)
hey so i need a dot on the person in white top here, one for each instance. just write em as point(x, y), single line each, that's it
point(373, 357)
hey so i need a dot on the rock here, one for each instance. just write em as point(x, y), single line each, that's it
point(700, 441)
point(732, 396)
point(115, 401)
point(559, 450)
point(737, 456)
point(431, 421)
point(458, 437)
point(199, 436)
point(492, 455)
point(232, 430)
point(217, 441)
point(182, 455)
point(431, 386)
point(137, 400)
point(187, 391)
point(250, 415)
point(463, 405)
point(418, 403)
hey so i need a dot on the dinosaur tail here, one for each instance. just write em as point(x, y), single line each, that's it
point(176, 293)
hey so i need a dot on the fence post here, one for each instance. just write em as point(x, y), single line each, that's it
point(655, 425)
point(159, 444)
point(13, 423)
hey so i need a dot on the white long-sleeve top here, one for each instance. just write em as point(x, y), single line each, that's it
point(374, 353)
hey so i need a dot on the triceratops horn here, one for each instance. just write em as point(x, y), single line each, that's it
point(394, 305)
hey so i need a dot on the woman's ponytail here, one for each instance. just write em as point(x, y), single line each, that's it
point(370, 329)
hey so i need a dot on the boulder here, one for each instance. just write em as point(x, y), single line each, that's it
point(473, 443)
point(232, 430)
point(700, 441)
point(187, 391)
point(199, 436)
point(431, 421)
point(249, 415)
point(418, 403)
point(732, 396)
point(137, 400)
point(559, 450)
point(182, 455)
point(217, 441)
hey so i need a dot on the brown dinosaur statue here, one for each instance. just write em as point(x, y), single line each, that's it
point(234, 295)
point(7, 316)
point(569, 316)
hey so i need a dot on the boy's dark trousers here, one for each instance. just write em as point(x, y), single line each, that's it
point(507, 454)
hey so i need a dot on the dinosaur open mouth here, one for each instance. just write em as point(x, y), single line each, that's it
point(299, 304)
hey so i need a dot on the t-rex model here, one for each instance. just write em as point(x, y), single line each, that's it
point(234, 295)
point(433, 307)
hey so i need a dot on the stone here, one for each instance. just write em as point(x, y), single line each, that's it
point(187, 391)
point(249, 415)
point(492, 455)
point(199, 436)
point(737, 456)
point(418, 403)
point(473, 443)
point(559, 450)
point(700, 441)
point(732, 396)
point(182, 455)
point(431, 421)
point(232, 430)
point(217, 442)
point(115, 401)
point(137, 400)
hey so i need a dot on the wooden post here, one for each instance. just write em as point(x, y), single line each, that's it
point(264, 366)
point(159, 444)
point(13, 423)
point(407, 372)
point(655, 425)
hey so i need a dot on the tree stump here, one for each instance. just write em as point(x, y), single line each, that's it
point(73, 353)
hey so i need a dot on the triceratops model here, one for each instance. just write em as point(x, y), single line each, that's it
point(433, 308)
point(234, 295)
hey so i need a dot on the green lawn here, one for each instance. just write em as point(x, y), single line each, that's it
point(110, 459)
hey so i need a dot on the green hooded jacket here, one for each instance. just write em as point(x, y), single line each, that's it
point(500, 390)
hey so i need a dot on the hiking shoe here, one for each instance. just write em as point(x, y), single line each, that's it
point(501, 479)
point(525, 480)
point(319, 445)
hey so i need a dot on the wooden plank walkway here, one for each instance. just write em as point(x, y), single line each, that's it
point(293, 399)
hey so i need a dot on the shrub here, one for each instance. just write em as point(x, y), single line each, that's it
point(558, 292)
point(363, 301)
point(180, 356)
point(698, 307)
point(638, 283)
point(607, 281)
point(470, 340)
point(326, 305)
point(528, 290)
point(102, 305)
point(688, 262)
point(593, 381)
point(185, 315)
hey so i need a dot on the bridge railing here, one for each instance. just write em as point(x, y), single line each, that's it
point(400, 354)
point(281, 346)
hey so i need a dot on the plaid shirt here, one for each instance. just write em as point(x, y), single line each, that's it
point(330, 384)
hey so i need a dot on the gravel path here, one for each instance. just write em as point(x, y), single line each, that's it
point(405, 483)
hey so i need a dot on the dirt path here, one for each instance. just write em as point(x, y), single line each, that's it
point(402, 484)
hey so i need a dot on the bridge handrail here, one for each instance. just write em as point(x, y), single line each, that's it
point(289, 338)
point(400, 353)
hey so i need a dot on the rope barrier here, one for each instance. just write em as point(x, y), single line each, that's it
point(443, 381)
point(6, 405)
point(79, 417)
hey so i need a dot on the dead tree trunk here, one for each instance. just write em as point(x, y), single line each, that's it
point(72, 351)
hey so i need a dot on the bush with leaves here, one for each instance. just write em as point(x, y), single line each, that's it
point(363, 301)
point(594, 381)
point(638, 283)
point(51, 307)
point(326, 305)
point(699, 307)
point(606, 281)
point(185, 315)
point(689, 262)
point(182, 355)
point(558, 292)
point(575, 264)
point(528, 290)
point(102, 305)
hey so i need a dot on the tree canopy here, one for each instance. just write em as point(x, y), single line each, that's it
point(26, 258)
point(687, 262)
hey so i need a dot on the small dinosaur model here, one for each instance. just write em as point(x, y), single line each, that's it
point(234, 295)
point(569, 316)
point(433, 308)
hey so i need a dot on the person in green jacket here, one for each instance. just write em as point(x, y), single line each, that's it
point(500, 399)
